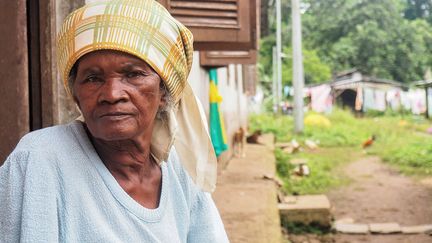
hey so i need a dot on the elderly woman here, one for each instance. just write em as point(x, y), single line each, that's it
point(139, 165)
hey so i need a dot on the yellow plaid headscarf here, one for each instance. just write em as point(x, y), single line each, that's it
point(145, 29)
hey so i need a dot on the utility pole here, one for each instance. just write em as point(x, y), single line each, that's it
point(298, 78)
point(274, 86)
point(279, 52)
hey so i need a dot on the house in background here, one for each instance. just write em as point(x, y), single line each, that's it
point(225, 34)
point(360, 93)
point(427, 86)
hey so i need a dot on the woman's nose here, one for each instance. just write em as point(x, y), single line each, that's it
point(113, 91)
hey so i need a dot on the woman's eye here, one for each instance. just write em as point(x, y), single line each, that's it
point(134, 74)
point(91, 79)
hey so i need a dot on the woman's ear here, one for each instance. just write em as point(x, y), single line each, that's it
point(163, 100)
point(164, 96)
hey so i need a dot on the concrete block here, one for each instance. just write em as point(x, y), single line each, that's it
point(349, 228)
point(306, 209)
point(385, 228)
point(418, 229)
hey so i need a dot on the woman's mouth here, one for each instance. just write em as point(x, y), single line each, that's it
point(115, 116)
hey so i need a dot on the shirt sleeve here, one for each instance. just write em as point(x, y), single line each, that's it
point(206, 224)
point(28, 200)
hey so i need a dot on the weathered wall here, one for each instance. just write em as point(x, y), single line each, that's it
point(199, 81)
point(66, 109)
point(234, 104)
point(14, 110)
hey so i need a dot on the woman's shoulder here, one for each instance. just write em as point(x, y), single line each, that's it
point(49, 138)
point(41, 147)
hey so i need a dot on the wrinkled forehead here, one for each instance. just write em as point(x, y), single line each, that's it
point(96, 58)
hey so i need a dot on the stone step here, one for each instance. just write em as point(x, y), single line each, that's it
point(419, 229)
point(385, 228)
point(347, 226)
point(306, 209)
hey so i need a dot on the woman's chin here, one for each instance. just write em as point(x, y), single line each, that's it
point(114, 132)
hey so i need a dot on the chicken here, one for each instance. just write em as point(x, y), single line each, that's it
point(369, 142)
point(302, 170)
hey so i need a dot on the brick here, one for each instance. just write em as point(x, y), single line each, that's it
point(418, 229)
point(385, 228)
point(349, 228)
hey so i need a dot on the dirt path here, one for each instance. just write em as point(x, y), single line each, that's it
point(379, 194)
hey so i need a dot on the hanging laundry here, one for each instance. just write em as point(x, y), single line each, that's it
point(320, 98)
point(380, 100)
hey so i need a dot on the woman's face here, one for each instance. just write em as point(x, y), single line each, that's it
point(118, 94)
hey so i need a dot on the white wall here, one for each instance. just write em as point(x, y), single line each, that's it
point(199, 81)
point(230, 85)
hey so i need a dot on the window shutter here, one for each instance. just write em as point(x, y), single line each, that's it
point(223, 58)
point(218, 24)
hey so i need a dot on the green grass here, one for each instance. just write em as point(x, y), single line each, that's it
point(324, 167)
point(401, 141)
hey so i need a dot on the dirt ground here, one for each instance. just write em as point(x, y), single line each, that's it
point(379, 194)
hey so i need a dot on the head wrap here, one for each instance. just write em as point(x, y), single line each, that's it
point(145, 29)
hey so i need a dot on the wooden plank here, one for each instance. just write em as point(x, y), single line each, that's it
point(203, 13)
point(14, 120)
point(34, 66)
point(223, 58)
point(204, 5)
point(213, 22)
point(48, 65)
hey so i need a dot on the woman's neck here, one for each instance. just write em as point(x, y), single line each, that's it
point(133, 167)
point(125, 158)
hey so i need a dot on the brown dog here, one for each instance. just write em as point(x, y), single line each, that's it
point(254, 137)
point(238, 142)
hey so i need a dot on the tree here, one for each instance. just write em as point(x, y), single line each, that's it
point(371, 36)
point(315, 70)
point(418, 9)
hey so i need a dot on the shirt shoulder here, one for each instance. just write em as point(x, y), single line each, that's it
point(44, 148)
point(47, 138)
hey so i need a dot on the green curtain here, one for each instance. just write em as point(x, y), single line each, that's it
point(217, 127)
